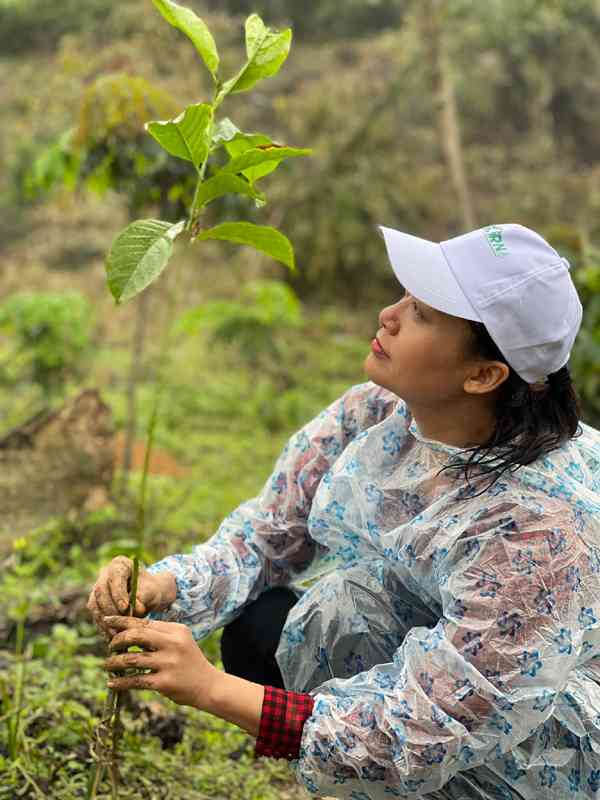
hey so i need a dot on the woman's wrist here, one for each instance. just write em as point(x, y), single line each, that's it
point(236, 700)
point(168, 589)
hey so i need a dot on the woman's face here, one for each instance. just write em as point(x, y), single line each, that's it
point(424, 362)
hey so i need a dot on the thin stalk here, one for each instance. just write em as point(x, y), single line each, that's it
point(14, 712)
point(115, 723)
point(194, 213)
point(14, 725)
point(98, 748)
point(141, 518)
point(166, 341)
point(135, 372)
point(110, 726)
point(201, 173)
point(94, 780)
point(190, 221)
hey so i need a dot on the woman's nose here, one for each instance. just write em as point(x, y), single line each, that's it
point(388, 316)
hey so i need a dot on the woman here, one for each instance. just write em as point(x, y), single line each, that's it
point(450, 646)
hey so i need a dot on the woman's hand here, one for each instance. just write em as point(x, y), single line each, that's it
point(179, 669)
point(110, 594)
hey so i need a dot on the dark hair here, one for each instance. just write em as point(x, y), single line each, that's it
point(528, 423)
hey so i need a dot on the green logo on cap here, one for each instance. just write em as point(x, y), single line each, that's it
point(494, 236)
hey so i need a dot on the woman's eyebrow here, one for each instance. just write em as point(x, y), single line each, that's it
point(420, 304)
point(423, 307)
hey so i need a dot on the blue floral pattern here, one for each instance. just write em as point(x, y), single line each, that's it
point(451, 642)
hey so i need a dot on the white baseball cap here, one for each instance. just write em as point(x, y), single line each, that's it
point(506, 276)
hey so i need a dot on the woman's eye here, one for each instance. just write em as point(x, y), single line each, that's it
point(416, 308)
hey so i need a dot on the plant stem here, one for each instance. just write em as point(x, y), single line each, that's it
point(99, 767)
point(141, 517)
point(14, 712)
point(111, 719)
point(158, 391)
point(201, 174)
point(13, 740)
point(133, 379)
point(190, 221)
point(95, 778)
point(114, 722)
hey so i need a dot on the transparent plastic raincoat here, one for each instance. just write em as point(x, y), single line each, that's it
point(451, 643)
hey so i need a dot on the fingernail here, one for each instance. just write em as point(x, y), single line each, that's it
point(111, 684)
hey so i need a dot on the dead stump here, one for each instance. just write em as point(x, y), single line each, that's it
point(55, 463)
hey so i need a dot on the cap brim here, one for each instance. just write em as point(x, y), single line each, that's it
point(421, 267)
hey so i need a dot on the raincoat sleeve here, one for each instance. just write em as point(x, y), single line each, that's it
point(265, 541)
point(516, 606)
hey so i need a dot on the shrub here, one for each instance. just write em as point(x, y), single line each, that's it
point(51, 333)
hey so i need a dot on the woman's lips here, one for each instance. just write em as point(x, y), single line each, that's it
point(378, 349)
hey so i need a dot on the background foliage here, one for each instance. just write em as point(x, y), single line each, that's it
point(259, 351)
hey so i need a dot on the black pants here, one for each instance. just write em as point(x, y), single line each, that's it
point(248, 644)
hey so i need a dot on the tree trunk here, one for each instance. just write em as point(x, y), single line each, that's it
point(432, 20)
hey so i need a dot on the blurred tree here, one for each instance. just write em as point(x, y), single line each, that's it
point(547, 67)
point(322, 20)
point(432, 19)
point(116, 152)
point(37, 25)
point(362, 171)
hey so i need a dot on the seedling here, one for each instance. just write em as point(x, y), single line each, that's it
point(143, 249)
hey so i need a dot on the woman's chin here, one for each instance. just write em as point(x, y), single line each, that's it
point(373, 369)
point(374, 361)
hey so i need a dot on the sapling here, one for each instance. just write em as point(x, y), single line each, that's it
point(140, 253)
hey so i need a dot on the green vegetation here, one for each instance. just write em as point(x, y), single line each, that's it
point(258, 350)
point(51, 337)
point(227, 424)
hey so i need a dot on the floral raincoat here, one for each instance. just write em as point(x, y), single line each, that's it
point(451, 642)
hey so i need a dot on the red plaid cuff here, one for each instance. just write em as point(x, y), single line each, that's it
point(283, 716)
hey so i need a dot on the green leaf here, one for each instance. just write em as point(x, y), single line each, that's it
point(256, 162)
point(138, 255)
point(246, 141)
point(188, 135)
point(256, 31)
point(224, 184)
point(224, 131)
point(262, 237)
point(194, 28)
point(266, 50)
